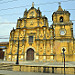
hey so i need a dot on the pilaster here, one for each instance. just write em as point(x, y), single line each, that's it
point(24, 23)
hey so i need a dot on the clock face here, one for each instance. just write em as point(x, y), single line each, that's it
point(62, 32)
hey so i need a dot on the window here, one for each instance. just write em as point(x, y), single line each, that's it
point(30, 39)
point(61, 19)
point(32, 14)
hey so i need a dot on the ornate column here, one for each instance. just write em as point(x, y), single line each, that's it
point(44, 33)
point(37, 33)
point(54, 31)
point(51, 44)
point(24, 31)
point(44, 22)
point(24, 23)
point(44, 48)
point(11, 44)
point(51, 47)
point(44, 41)
point(38, 22)
point(37, 52)
point(19, 24)
point(51, 41)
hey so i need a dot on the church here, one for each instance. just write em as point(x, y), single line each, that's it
point(34, 40)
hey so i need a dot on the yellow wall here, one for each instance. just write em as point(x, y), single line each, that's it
point(47, 41)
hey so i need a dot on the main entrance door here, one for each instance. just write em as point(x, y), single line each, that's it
point(30, 54)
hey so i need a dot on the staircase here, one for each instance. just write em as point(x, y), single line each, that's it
point(6, 66)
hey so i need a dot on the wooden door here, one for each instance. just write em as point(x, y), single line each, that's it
point(30, 54)
point(1, 54)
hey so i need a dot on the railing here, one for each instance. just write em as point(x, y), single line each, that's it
point(44, 69)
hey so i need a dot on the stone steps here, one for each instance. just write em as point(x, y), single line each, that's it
point(5, 66)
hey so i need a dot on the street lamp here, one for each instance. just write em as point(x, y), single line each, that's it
point(64, 59)
point(17, 60)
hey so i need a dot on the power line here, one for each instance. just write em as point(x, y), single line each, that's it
point(4, 38)
point(19, 13)
point(8, 22)
point(70, 9)
point(4, 35)
point(35, 4)
point(8, 1)
point(27, 22)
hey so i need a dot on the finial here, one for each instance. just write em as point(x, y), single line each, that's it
point(26, 9)
point(59, 3)
point(13, 28)
point(44, 15)
point(33, 4)
point(38, 8)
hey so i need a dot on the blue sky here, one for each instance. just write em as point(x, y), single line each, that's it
point(8, 15)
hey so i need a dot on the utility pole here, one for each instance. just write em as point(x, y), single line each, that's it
point(17, 60)
point(64, 59)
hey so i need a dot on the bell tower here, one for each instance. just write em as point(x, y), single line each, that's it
point(62, 24)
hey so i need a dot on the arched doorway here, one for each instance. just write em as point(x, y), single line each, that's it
point(30, 54)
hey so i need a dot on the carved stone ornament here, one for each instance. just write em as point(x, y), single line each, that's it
point(41, 49)
point(41, 35)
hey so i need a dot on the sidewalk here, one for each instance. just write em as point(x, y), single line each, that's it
point(26, 73)
point(70, 64)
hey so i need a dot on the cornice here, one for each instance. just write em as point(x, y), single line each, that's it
point(64, 23)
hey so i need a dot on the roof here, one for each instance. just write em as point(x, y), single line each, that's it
point(4, 43)
point(2, 47)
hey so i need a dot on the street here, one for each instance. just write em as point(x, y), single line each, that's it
point(5, 72)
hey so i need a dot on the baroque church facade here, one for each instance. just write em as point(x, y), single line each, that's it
point(36, 41)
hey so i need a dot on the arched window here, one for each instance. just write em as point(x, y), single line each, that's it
point(61, 19)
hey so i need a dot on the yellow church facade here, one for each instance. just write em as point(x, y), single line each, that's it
point(36, 41)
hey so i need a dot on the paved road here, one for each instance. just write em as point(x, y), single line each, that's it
point(4, 72)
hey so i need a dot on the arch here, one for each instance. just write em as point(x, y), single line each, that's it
point(61, 19)
point(30, 54)
point(29, 47)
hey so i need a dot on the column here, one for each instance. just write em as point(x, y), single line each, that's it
point(37, 33)
point(54, 31)
point(37, 48)
point(51, 44)
point(44, 22)
point(38, 22)
point(24, 31)
point(11, 46)
point(23, 52)
point(44, 33)
point(51, 47)
point(44, 48)
point(19, 24)
point(25, 23)
point(51, 41)
point(44, 40)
